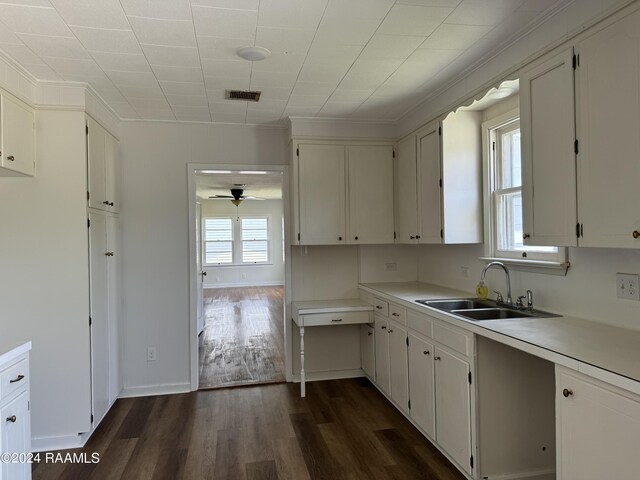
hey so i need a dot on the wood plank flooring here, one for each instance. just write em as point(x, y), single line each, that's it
point(243, 338)
point(342, 430)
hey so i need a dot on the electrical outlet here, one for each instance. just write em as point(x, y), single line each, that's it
point(244, 275)
point(627, 286)
point(151, 354)
point(391, 267)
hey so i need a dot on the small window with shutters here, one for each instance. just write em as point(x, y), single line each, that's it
point(255, 239)
point(218, 241)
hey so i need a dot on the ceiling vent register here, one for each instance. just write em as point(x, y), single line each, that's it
point(246, 95)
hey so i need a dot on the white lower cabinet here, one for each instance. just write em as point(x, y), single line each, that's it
point(382, 354)
point(398, 367)
point(422, 384)
point(597, 429)
point(368, 349)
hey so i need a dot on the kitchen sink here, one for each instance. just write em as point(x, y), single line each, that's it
point(478, 310)
point(480, 314)
point(458, 304)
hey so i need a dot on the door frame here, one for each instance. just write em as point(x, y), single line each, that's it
point(192, 170)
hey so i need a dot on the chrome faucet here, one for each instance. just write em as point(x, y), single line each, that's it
point(506, 271)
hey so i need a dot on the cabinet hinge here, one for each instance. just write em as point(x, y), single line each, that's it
point(493, 146)
point(394, 235)
point(578, 230)
point(88, 223)
point(28, 405)
point(407, 341)
point(582, 229)
point(440, 183)
point(298, 237)
point(441, 234)
point(575, 147)
point(86, 129)
point(394, 154)
point(469, 378)
point(88, 196)
point(576, 61)
point(90, 322)
point(471, 461)
point(409, 404)
point(297, 152)
point(440, 131)
point(92, 418)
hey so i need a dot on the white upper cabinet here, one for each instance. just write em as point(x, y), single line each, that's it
point(370, 194)
point(439, 187)
point(342, 194)
point(547, 124)
point(608, 121)
point(102, 152)
point(322, 191)
point(18, 151)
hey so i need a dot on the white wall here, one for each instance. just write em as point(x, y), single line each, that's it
point(155, 240)
point(271, 274)
point(44, 290)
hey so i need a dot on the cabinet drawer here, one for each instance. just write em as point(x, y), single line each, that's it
point(381, 307)
point(398, 313)
point(455, 339)
point(420, 323)
point(338, 318)
point(14, 378)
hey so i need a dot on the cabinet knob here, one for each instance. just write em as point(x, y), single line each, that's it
point(391, 330)
point(412, 237)
point(355, 238)
point(418, 237)
point(436, 358)
point(395, 314)
point(106, 202)
point(426, 352)
point(378, 307)
point(369, 333)
point(383, 327)
point(525, 235)
point(12, 419)
point(11, 158)
point(567, 393)
point(340, 238)
point(636, 234)
point(111, 204)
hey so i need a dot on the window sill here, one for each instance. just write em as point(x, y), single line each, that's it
point(533, 266)
point(229, 265)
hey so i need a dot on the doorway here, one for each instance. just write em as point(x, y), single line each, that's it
point(240, 272)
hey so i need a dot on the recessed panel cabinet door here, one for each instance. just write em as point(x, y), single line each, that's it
point(113, 304)
point(322, 179)
point(608, 85)
point(453, 407)
point(371, 194)
point(406, 187)
point(421, 384)
point(547, 124)
point(598, 429)
point(15, 437)
point(398, 371)
point(367, 349)
point(96, 165)
point(430, 193)
point(111, 172)
point(381, 338)
point(19, 153)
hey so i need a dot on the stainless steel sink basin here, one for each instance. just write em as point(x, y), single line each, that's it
point(477, 315)
point(458, 304)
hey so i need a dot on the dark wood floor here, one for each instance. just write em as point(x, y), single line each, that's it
point(243, 338)
point(342, 430)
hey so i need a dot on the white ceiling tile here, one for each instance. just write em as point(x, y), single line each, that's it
point(167, 9)
point(89, 13)
point(536, 5)
point(227, 83)
point(176, 33)
point(46, 46)
point(273, 93)
point(224, 117)
point(432, 3)
point(199, 113)
point(157, 103)
point(346, 31)
point(127, 62)
point(155, 113)
point(259, 117)
point(176, 88)
point(327, 53)
point(229, 68)
point(482, 12)
point(378, 69)
point(455, 37)
point(6, 36)
point(43, 72)
point(22, 54)
point(292, 111)
point(290, 40)
point(187, 100)
point(71, 66)
point(280, 62)
point(33, 3)
point(111, 95)
point(350, 96)
point(307, 100)
point(307, 88)
point(178, 74)
point(338, 109)
point(359, 9)
point(38, 20)
point(265, 105)
point(141, 92)
point(224, 22)
point(273, 79)
point(431, 59)
point(233, 4)
point(123, 109)
point(291, 13)
point(220, 48)
point(132, 79)
point(391, 46)
point(97, 79)
point(322, 73)
point(100, 40)
point(172, 56)
point(413, 20)
point(228, 106)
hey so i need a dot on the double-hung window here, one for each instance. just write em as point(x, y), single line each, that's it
point(255, 239)
point(505, 196)
point(235, 240)
point(218, 241)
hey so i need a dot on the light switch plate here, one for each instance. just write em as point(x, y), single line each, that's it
point(627, 286)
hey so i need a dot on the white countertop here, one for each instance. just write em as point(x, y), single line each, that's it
point(566, 340)
point(331, 306)
point(10, 351)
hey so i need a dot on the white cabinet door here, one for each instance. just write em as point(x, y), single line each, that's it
point(429, 191)
point(111, 160)
point(547, 125)
point(367, 350)
point(322, 191)
point(381, 338)
point(598, 429)
point(421, 384)
point(113, 306)
point(15, 437)
point(608, 85)
point(407, 193)
point(96, 162)
point(398, 371)
point(18, 140)
point(453, 407)
point(370, 194)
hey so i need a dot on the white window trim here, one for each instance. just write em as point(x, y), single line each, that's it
point(555, 266)
point(204, 242)
point(236, 242)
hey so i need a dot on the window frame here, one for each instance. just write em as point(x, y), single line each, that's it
point(237, 241)
point(205, 242)
point(241, 240)
point(541, 262)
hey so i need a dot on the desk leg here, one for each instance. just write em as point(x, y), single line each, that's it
point(302, 374)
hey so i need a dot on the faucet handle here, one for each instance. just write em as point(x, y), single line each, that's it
point(519, 303)
point(530, 300)
point(499, 298)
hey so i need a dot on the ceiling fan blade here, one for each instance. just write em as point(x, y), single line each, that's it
point(252, 198)
point(221, 196)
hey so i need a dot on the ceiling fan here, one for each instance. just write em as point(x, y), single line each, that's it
point(237, 195)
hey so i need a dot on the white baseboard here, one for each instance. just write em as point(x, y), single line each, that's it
point(249, 284)
point(545, 474)
point(329, 375)
point(147, 391)
point(45, 444)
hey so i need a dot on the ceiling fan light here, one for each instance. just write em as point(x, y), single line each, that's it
point(236, 201)
point(253, 54)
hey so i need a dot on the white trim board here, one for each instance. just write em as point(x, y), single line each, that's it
point(151, 390)
point(250, 284)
